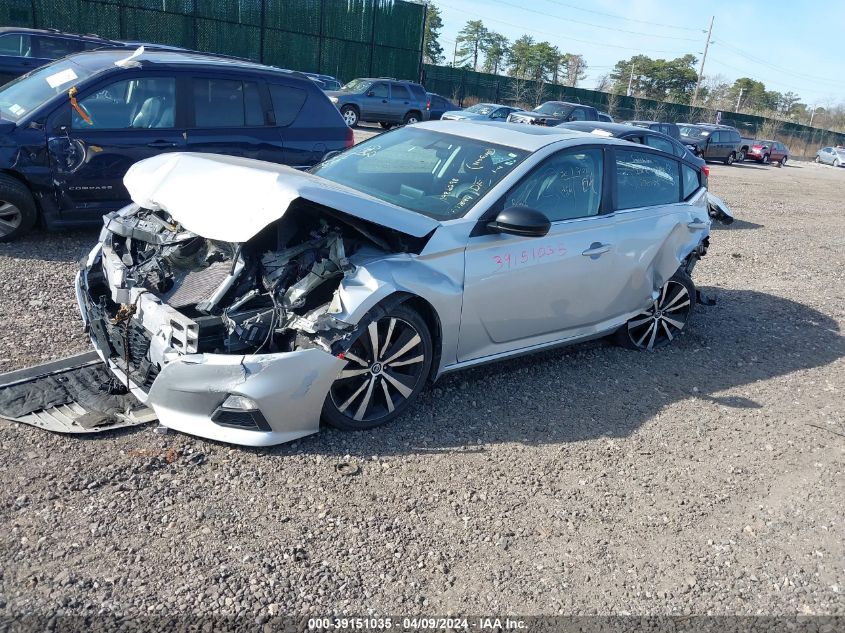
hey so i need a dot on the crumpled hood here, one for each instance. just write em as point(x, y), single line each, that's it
point(231, 199)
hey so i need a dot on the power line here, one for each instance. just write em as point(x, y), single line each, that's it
point(598, 26)
point(757, 60)
point(621, 17)
point(559, 35)
point(791, 86)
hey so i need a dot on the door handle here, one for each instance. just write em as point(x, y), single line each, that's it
point(697, 224)
point(596, 250)
point(161, 144)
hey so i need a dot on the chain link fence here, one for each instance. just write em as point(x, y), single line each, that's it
point(467, 87)
point(344, 38)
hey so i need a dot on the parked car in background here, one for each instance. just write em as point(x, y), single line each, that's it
point(745, 143)
point(604, 116)
point(669, 129)
point(641, 136)
point(766, 151)
point(22, 50)
point(711, 142)
point(437, 106)
point(831, 156)
point(481, 112)
point(326, 82)
point(353, 281)
point(82, 121)
point(554, 112)
point(382, 100)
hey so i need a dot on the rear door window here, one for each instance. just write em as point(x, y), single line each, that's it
point(644, 179)
point(226, 103)
point(401, 92)
point(578, 114)
point(287, 102)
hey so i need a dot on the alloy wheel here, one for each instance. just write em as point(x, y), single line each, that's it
point(664, 319)
point(385, 365)
point(350, 117)
point(10, 218)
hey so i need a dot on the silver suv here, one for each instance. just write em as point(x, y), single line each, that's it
point(386, 101)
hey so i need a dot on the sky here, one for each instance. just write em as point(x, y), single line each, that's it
point(797, 46)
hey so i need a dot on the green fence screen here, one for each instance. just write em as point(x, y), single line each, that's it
point(344, 38)
point(464, 86)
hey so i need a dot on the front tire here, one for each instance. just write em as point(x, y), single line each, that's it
point(350, 115)
point(836, 163)
point(664, 319)
point(765, 159)
point(387, 367)
point(17, 209)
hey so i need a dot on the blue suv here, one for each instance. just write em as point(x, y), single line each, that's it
point(70, 130)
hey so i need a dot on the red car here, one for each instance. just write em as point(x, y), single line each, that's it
point(768, 152)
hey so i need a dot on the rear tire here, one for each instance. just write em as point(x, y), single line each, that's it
point(741, 156)
point(17, 209)
point(388, 364)
point(730, 159)
point(664, 319)
point(412, 117)
point(818, 160)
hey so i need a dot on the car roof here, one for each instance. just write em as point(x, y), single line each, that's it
point(613, 128)
point(649, 122)
point(92, 37)
point(106, 58)
point(525, 137)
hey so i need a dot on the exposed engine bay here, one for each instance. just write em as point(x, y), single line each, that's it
point(182, 293)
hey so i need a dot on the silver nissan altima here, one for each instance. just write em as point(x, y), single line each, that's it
point(245, 301)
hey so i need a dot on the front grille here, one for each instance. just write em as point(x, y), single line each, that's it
point(124, 343)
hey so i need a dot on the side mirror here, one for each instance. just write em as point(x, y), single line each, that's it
point(521, 220)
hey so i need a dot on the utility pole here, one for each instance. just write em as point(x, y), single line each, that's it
point(703, 58)
point(631, 81)
point(455, 55)
point(739, 99)
point(812, 114)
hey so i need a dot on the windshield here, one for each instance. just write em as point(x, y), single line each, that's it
point(356, 85)
point(435, 174)
point(552, 109)
point(24, 94)
point(481, 108)
point(693, 132)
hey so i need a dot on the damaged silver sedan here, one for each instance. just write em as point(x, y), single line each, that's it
point(245, 301)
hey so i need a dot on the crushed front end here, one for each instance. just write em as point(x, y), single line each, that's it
point(236, 342)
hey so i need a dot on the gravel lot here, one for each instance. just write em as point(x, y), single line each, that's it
point(704, 478)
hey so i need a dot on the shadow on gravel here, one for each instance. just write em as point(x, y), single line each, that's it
point(48, 246)
point(736, 225)
point(599, 390)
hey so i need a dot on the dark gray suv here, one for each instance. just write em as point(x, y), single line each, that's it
point(386, 101)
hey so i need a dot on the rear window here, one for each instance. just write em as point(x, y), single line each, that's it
point(226, 103)
point(400, 91)
point(645, 180)
point(55, 47)
point(287, 102)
